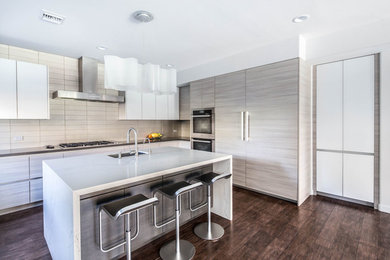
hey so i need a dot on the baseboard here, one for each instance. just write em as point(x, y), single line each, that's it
point(384, 208)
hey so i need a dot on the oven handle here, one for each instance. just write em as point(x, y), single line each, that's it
point(201, 115)
point(202, 141)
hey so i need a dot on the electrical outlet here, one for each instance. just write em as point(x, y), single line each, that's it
point(18, 138)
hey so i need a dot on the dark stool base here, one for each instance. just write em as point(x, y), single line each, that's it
point(168, 251)
point(216, 231)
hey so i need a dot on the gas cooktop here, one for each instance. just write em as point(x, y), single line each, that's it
point(83, 144)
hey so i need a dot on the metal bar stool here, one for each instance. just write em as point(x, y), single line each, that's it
point(123, 207)
point(210, 230)
point(178, 249)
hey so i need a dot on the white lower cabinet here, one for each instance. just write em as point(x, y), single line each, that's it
point(358, 177)
point(14, 194)
point(347, 175)
point(330, 173)
point(36, 190)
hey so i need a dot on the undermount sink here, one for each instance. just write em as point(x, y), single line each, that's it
point(132, 153)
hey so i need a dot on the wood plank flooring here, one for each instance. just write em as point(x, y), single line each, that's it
point(263, 228)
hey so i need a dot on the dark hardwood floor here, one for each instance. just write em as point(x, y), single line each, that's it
point(263, 228)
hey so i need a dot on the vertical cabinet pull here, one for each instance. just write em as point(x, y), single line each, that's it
point(243, 126)
point(247, 126)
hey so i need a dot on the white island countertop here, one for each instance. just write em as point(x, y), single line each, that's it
point(66, 180)
point(90, 173)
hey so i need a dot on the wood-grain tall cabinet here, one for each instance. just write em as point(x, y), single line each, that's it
point(263, 118)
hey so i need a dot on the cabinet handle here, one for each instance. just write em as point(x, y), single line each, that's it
point(247, 126)
point(242, 126)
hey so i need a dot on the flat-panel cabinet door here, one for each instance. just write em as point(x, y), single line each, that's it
point(33, 100)
point(173, 106)
point(229, 105)
point(330, 173)
point(162, 107)
point(208, 93)
point(14, 194)
point(36, 163)
point(36, 190)
point(358, 177)
point(14, 168)
point(8, 97)
point(330, 106)
point(359, 104)
point(132, 108)
point(149, 106)
point(272, 149)
point(196, 94)
point(184, 101)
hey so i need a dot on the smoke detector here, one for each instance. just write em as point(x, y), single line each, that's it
point(52, 17)
point(143, 16)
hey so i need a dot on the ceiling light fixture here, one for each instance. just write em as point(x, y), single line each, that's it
point(143, 16)
point(101, 48)
point(169, 65)
point(301, 18)
point(51, 17)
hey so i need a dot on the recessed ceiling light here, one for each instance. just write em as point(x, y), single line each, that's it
point(143, 16)
point(301, 18)
point(169, 66)
point(101, 48)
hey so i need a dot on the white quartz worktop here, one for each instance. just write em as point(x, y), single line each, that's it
point(90, 173)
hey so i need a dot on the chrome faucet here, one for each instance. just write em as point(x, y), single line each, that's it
point(149, 147)
point(135, 139)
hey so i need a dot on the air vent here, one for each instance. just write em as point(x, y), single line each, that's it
point(52, 17)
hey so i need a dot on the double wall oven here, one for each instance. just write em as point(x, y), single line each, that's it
point(202, 129)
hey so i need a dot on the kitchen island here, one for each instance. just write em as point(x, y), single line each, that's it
point(73, 189)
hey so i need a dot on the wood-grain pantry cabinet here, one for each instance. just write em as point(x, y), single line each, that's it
point(260, 114)
point(345, 128)
point(24, 90)
point(202, 93)
point(184, 100)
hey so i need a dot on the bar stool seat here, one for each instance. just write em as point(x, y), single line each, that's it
point(178, 249)
point(124, 207)
point(210, 230)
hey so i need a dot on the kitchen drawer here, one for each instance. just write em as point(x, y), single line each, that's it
point(36, 190)
point(36, 163)
point(14, 194)
point(14, 168)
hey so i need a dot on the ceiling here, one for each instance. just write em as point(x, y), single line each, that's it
point(184, 33)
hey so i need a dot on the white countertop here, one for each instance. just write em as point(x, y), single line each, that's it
point(90, 173)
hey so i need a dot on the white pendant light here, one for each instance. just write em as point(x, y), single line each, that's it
point(120, 74)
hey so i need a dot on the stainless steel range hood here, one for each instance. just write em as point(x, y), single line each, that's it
point(88, 89)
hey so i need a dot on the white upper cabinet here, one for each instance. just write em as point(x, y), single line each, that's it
point(33, 94)
point(149, 106)
point(162, 107)
point(173, 106)
point(330, 106)
point(359, 104)
point(132, 109)
point(8, 89)
point(24, 90)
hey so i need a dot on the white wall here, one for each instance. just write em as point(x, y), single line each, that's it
point(278, 51)
point(369, 39)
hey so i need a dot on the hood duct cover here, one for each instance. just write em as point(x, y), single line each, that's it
point(88, 90)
